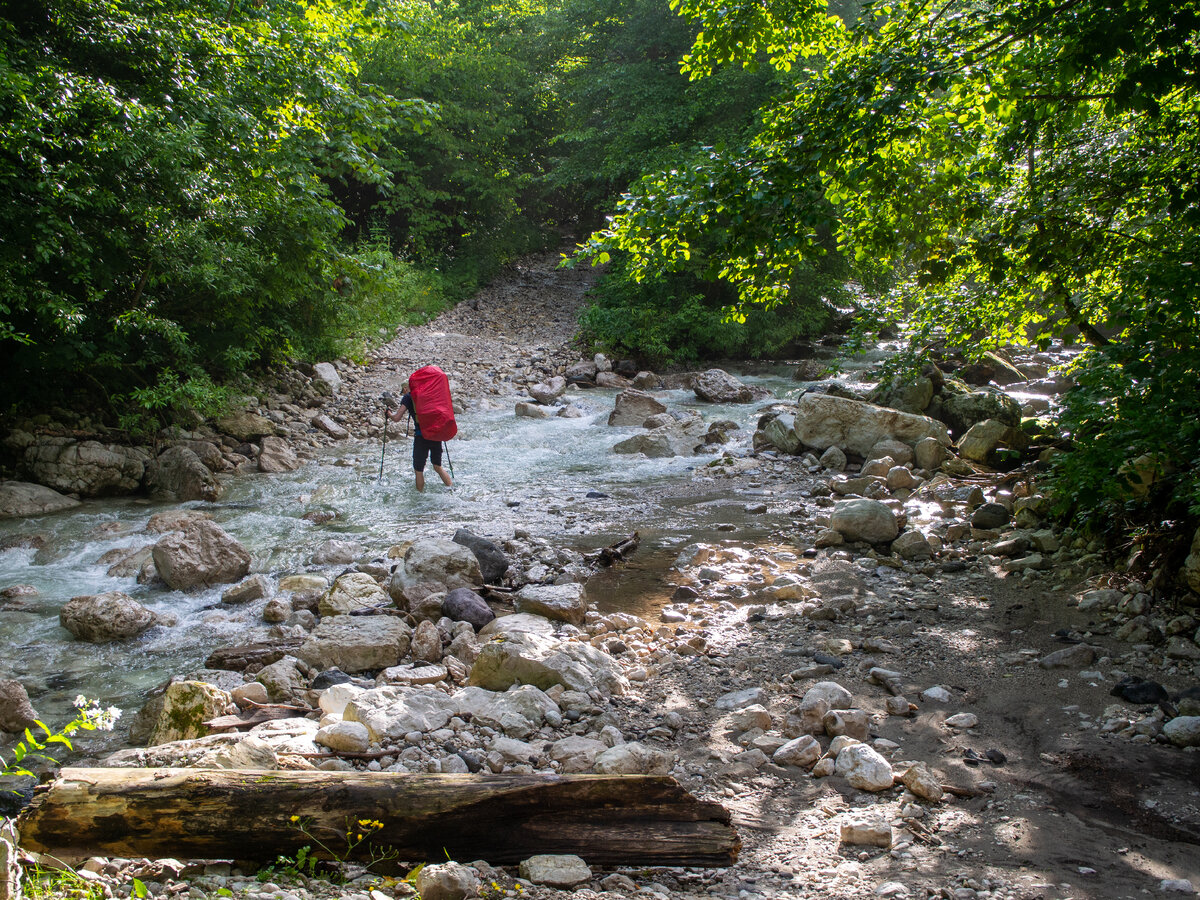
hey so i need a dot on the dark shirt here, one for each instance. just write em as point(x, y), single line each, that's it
point(407, 402)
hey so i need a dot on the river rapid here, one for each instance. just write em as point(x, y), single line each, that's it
point(555, 478)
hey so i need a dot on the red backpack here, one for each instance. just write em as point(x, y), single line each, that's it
point(430, 390)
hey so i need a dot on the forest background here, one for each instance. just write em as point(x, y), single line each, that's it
point(190, 192)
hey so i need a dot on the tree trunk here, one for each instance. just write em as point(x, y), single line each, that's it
point(240, 814)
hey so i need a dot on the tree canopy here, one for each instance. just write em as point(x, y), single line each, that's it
point(998, 172)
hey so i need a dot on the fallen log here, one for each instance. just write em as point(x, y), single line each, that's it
point(257, 714)
point(606, 556)
point(242, 814)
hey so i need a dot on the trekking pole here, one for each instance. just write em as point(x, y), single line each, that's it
point(449, 462)
point(386, 410)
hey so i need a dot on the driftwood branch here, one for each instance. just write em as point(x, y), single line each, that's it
point(240, 814)
point(622, 549)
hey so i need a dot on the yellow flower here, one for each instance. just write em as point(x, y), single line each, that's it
point(294, 819)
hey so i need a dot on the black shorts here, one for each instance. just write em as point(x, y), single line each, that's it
point(423, 450)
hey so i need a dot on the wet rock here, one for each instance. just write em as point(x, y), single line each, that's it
point(16, 712)
point(864, 520)
point(111, 616)
point(277, 455)
point(200, 556)
point(246, 591)
point(88, 468)
point(528, 410)
point(330, 427)
point(823, 421)
point(633, 407)
point(493, 562)
point(20, 499)
point(718, 386)
point(555, 870)
point(680, 439)
point(464, 605)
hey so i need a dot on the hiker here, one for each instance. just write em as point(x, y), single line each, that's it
point(423, 449)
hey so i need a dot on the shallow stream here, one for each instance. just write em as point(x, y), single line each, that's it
point(510, 473)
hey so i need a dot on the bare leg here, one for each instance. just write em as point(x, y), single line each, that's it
point(420, 481)
point(444, 475)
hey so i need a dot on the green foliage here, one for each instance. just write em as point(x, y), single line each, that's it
point(1002, 173)
point(39, 882)
point(163, 183)
point(330, 852)
point(88, 717)
point(681, 319)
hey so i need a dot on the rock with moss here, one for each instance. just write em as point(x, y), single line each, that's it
point(187, 705)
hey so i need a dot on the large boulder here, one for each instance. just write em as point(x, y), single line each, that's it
point(544, 661)
point(1191, 564)
point(548, 391)
point(676, 439)
point(493, 562)
point(111, 616)
point(178, 473)
point(718, 386)
point(780, 432)
point(326, 373)
point(983, 439)
point(88, 468)
point(517, 713)
point(19, 498)
point(393, 711)
point(200, 556)
point(910, 395)
point(431, 566)
point(633, 407)
point(863, 768)
point(961, 411)
point(823, 420)
point(16, 712)
point(356, 643)
point(187, 705)
point(558, 602)
point(246, 426)
point(864, 520)
point(350, 592)
point(633, 759)
point(216, 751)
point(277, 455)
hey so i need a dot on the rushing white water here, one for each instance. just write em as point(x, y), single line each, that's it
point(510, 473)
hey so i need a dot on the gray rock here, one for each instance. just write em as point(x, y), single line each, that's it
point(824, 420)
point(929, 453)
point(433, 565)
point(983, 439)
point(781, 432)
point(20, 499)
point(544, 661)
point(912, 545)
point(111, 616)
point(330, 427)
point(246, 426)
point(179, 474)
point(802, 751)
point(633, 759)
point(834, 459)
point(1190, 572)
point(555, 870)
point(392, 712)
point(680, 439)
point(718, 386)
point(633, 407)
point(426, 646)
point(493, 562)
point(1183, 731)
point(277, 455)
point(867, 830)
point(910, 395)
point(351, 592)
point(962, 411)
point(187, 705)
point(88, 468)
point(356, 643)
point(864, 768)
point(246, 591)
point(326, 372)
point(990, 516)
point(16, 712)
point(447, 881)
point(557, 602)
point(518, 713)
point(347, 737)
point(1073, 657)
point(548, 391)
point(527, 410)
point(864, 520)
point(200, 556)
point(464, 605)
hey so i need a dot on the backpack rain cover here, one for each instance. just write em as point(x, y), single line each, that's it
point(430, 390)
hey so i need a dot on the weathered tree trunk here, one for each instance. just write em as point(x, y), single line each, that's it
point(239, 814)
